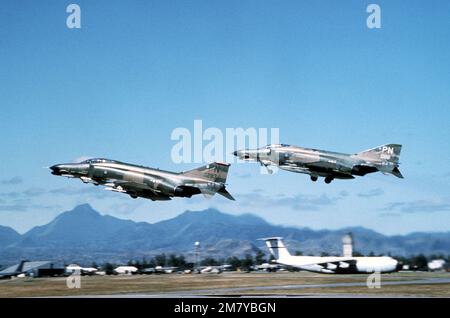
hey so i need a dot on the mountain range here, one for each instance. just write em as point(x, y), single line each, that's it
point(83, 235)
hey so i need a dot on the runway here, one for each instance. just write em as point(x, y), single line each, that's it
point(294, 287)
point(233, 284)
point(239, 291)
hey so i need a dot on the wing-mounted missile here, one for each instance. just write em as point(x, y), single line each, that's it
point(116, 189)
point(88, 180)
point(68, 176)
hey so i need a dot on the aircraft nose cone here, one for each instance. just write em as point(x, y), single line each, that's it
point(55, 169)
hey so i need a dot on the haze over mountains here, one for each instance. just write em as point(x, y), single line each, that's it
point(83, 235)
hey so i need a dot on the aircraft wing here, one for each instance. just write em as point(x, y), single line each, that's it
point(134, 189)
point(363, 169)
point(125, 184)
point(321, 168)
point(294, 168)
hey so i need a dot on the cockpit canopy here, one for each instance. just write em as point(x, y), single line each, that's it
point(276, 146)
point(98, 160)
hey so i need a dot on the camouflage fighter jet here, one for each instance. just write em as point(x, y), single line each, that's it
point(327, 164)
point(154, 184)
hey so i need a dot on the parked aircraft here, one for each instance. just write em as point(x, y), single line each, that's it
point(330, 264)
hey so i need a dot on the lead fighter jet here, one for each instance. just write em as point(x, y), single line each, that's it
point(327, 164)
point(153, 184)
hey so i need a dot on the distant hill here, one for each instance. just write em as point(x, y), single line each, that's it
point(83, 235)
point(8, 236)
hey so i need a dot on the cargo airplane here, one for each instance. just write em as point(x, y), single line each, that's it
point(331, 264)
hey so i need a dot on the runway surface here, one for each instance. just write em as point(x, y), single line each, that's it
point(233, 284)
point(218, 292)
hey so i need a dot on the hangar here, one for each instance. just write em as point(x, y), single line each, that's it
point(33, 269)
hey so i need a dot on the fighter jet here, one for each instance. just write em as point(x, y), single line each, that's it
point(331, 264)
point(327, 164)
point(154, 184)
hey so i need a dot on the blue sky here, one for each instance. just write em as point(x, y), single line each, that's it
point(118, 86)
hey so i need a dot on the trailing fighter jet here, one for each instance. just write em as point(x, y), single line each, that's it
point(331, 264)
point(153, 184)
point(327, 164)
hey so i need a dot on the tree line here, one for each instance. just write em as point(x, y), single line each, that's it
point(417, 262)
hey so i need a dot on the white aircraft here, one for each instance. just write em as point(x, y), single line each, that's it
point(126, 270)
point(72, 268)
point(165, 269)
point(211, 270)
point(330, 264)
point(436, 265)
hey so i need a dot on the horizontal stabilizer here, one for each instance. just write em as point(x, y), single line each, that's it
point(226, 194)
point(396, 172)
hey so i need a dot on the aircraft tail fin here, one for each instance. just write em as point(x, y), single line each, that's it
point(277, 248)
point(20, 267)
point(389, 152)
point(213, 172)
point(216, 172)
point(385, 158)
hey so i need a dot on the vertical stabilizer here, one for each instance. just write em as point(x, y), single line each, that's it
point(277, 248)
point(389, 153)
point(216, 172)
